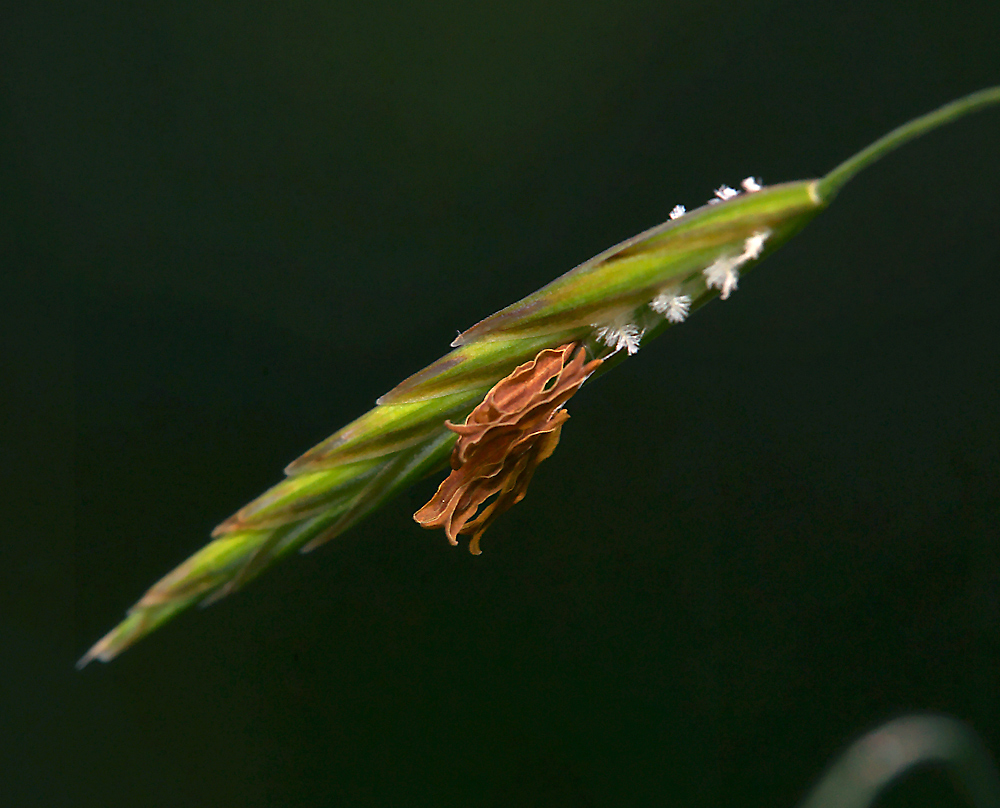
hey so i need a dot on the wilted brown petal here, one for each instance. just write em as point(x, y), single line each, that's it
point(503, 440)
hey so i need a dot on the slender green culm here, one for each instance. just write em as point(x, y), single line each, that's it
point(836, 179)
point(609, 305)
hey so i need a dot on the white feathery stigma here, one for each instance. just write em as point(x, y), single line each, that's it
point(617, 337)
point(678, 211)
point(674, 307)
point(724, 192)
point(724, 273)
point(751, 184)
point(754, 246)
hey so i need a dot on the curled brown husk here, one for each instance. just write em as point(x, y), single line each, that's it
point(503, 440)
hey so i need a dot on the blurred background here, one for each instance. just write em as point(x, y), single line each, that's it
point(228, 227)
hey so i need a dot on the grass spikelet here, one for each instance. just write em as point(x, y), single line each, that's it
point(611, 305)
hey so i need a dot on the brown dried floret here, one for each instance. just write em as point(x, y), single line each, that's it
point(503, 440)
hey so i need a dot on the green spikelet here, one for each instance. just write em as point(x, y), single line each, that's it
point(632, 291)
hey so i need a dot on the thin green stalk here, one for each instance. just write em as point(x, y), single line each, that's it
point(831, 184)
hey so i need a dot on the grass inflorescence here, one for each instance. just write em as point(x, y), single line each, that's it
point(610, 305)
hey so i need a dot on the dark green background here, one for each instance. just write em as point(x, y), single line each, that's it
point(228, 227)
